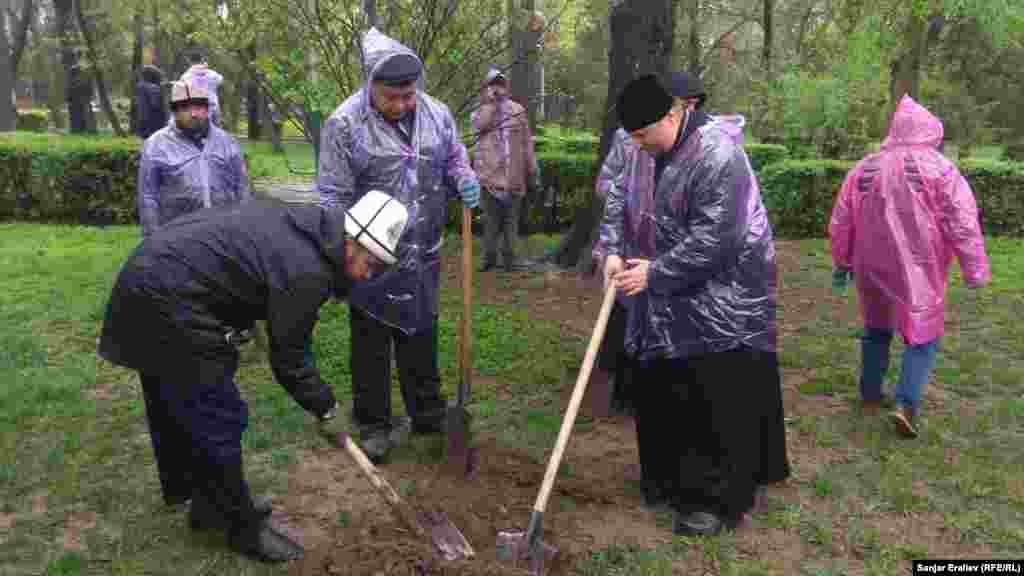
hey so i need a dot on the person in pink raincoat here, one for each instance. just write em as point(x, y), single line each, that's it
point(900, 217)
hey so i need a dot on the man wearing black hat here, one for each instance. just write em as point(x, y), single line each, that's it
point(626, 182)
point(392, 136)
point(705, 340)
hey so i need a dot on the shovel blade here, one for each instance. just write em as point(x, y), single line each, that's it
point(450, 543)
point(459, 453)
point(513, 549)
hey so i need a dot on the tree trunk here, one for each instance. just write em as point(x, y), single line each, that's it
point(766, 23)
point(694, 41)
point(8, 118)
point(137, 46)
point(28, 11)
point(805, 22)
point(232, 103)
point(56, 91)
point(906, 71)
point(370, 10)
point(101, 84)
point(254, 101)
point(78, 84)
point(157, 39)
point(642, 35)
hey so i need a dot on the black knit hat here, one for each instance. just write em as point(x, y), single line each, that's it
point(399, 69)
point(686, 85)
point(642, 102)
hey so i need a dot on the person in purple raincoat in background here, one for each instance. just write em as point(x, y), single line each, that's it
point(506, 164)
point(899, 218)
point(708, 381)
point(392, 136)
point(188, 164)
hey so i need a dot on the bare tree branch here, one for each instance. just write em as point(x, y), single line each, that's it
point(101, 84)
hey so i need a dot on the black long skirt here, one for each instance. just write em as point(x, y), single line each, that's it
point(713, 429)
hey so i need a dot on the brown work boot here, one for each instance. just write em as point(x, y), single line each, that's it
point(903, 419)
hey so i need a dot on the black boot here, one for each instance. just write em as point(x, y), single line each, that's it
point(258, 538)
point(203, 515)
point(249, 530)
point(376, 444)
point(699, 524)
point(430, 422)
point(513, 264)
point(488, 263)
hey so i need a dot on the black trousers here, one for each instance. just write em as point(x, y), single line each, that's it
point(711, 429)
point(196, 418)
point(418, 374)
point(654, 418)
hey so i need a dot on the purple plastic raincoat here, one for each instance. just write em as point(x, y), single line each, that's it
point(177, 176)
point(626, 182)
point(361, 151)
point(505, 159)
point(899, 218)
point(712, 286)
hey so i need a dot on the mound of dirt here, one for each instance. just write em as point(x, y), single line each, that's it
point(498, 497)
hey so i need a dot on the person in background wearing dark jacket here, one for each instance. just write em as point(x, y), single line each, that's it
point(149, 101)
point(182, 302)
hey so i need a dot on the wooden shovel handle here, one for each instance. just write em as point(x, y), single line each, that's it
point(466, 329)
point(398, 506)
point(577, 397)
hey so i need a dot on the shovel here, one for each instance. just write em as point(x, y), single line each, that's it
point(460, 454)
point(527, 548)
point(449, 542)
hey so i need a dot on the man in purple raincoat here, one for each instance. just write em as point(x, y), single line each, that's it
point(392, 136)
point(506, 164)
point(626, 182)
point(189, 164)
point(705, 339)
point(900, 217)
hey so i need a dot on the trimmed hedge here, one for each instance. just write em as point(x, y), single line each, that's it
point(762, 155)
point(34, 120)
point(68, 179)
point(1015, 151)
point(999, 190)
point(799, 195)
point(47, 177)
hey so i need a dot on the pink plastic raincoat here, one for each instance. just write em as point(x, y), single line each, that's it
point(899, 218)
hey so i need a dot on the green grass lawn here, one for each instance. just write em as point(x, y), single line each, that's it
point(296, 164)
point(78, 487)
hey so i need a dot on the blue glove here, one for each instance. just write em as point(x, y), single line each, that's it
point(470, 193)
point(840, 281)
